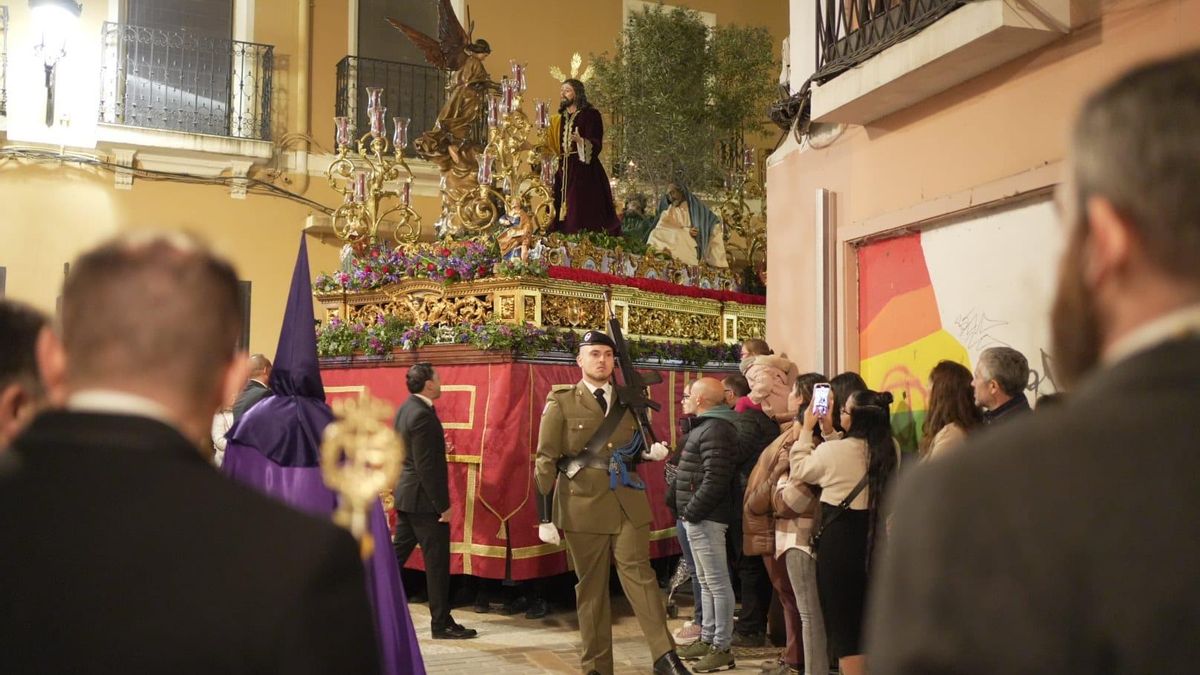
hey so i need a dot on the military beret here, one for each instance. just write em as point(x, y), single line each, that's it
point(596, 337)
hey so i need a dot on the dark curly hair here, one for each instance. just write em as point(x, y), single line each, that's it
point(581, 99)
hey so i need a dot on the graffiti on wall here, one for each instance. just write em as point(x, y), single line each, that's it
point(948, 294)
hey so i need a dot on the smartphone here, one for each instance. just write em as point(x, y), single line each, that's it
point(821, 395)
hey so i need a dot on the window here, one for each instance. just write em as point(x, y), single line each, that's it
point(378, 40)
point(172, 64)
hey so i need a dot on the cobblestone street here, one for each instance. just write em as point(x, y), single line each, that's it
point(514, 644)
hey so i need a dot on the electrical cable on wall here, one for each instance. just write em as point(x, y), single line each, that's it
point(253, 185)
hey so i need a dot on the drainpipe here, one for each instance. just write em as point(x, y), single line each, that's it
point(303, 78)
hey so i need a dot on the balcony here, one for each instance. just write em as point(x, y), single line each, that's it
point(178, 81)
point(409, 90)
point(875, 57)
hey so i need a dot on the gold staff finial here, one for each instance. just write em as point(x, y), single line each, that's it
point(360, 458)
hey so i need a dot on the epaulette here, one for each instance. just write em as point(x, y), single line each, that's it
point(558, 388)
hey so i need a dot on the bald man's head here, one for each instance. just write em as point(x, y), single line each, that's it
point(260, 367)
point(707, 392)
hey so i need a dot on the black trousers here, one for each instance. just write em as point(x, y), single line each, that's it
point(756, 594)
point(434, 538)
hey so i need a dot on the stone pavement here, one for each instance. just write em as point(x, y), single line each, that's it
point(514, 644)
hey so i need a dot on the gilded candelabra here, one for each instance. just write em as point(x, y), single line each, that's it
point(742, 185)
point(360, 459)
point(364, 179)
point(515, 168)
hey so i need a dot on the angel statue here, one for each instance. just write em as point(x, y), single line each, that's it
point(449, 144)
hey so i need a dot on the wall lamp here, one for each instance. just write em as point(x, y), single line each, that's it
point(53, 21)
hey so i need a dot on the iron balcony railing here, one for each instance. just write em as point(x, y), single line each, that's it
point(409, 90)
point(852, 31)
point(182, 81)
point(3, 60)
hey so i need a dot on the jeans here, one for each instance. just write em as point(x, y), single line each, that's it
point(707, 538)
point(802, 571)
point(681, 534)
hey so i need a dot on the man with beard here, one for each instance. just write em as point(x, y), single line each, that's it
point(582, 195)
point(1059, 542)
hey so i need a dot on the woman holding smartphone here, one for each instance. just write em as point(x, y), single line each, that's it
point(853, 473)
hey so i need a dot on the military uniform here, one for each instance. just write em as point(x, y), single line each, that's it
point(599, 523)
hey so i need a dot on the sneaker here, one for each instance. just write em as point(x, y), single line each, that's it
point(687, 634)
point(716, 659)
point(696, 650)
point(749, 639)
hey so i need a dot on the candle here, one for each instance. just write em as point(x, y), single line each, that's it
point(378, 122)
point(518, 76)
point(342, 124)
point(400, 137)
point(748, 158)
point(374, 98)
point(547, 170)
point(493, 112)
point(507, 88)
point(539, 114)
point(485, 169)
point(360, 187)
point(407, 193)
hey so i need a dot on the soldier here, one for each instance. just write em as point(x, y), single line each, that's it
point(601, 507)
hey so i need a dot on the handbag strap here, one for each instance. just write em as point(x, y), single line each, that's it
point(841, 507)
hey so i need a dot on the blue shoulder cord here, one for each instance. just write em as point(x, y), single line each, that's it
point(618, 464)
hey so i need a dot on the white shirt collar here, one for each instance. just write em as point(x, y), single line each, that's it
point(1179, 323)
point(426, 399)
point(113, 402)
point(607, 389)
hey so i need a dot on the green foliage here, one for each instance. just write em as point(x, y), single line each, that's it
point(744, 79)
point(655, 88)
point(673, 91)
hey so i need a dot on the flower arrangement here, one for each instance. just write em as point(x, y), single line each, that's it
point(387, 334)
point(381, 336)
point(515, 267)
point(380, 265)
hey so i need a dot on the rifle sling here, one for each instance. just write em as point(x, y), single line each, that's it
point(589, 456)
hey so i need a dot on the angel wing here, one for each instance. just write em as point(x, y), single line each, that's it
point(446, 52)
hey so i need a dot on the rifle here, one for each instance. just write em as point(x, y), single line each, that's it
point(634, 390)
point(633, 394)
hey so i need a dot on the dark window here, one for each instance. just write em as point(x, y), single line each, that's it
point(378, 40)
point(179, 64)
point(3, 280)
point(244, 301)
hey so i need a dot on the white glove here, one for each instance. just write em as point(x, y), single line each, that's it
point(548, 533)
point(656, 453)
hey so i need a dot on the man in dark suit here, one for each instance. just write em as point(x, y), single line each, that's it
point(423, 497)
point(257, 387)
point(1064, 542)
point(21, 391)
point(124, 550)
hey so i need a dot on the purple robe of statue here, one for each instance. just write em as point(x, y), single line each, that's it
point(582, 195)
point(275, 447)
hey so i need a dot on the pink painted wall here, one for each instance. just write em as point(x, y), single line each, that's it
point(1011, 120)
